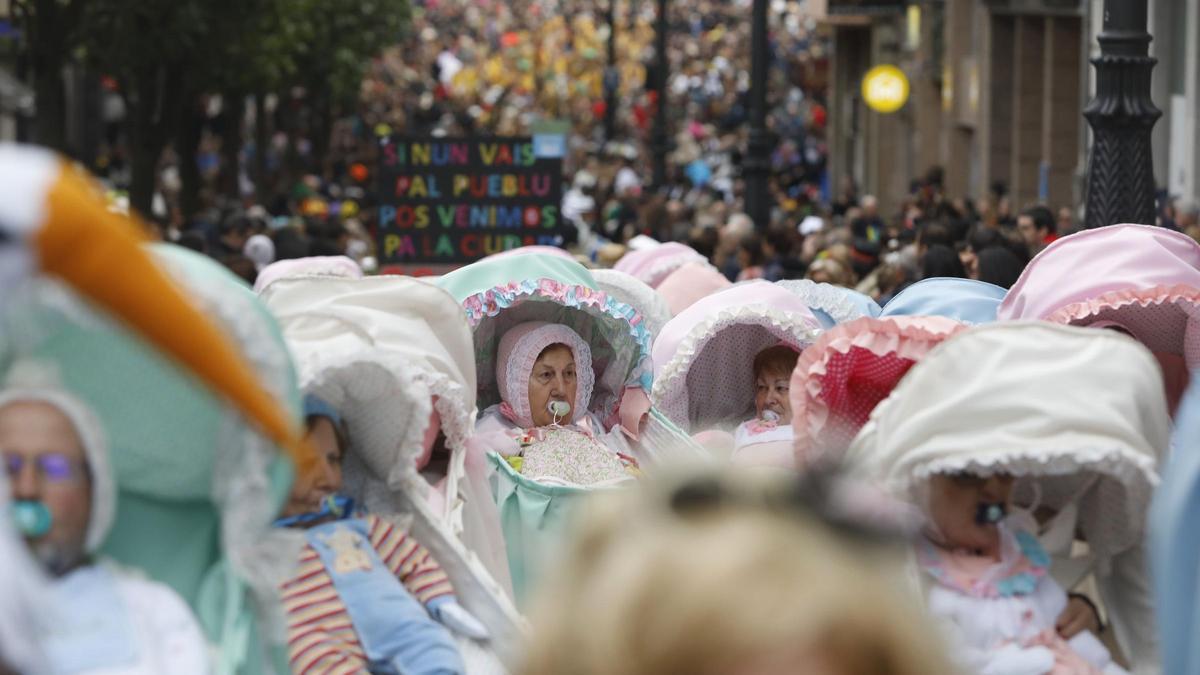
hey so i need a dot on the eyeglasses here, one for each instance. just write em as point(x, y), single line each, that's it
point(54, 467)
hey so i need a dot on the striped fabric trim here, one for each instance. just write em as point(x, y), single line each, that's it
point(321, 637)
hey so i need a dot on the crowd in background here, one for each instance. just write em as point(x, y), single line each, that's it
point(469, 68)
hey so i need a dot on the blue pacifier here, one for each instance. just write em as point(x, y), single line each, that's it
point(32, 518)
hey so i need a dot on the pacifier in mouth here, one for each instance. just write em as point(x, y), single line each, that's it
point(559, 409)
point(770, 416)
point(990, 513)
point(32, 518)
point(334, 506)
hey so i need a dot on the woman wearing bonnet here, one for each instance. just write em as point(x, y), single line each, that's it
point(545, 376)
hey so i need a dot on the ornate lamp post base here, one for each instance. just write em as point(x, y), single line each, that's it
point(1120, 186)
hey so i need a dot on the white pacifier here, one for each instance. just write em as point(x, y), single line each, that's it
point(559, 409)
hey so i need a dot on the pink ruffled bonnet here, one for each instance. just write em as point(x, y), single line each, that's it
point(690, 284)
point(840, 379)
point(653, 265)
point(516, 355)
point(1144, 280)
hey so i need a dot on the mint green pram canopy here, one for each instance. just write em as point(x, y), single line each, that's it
point(500, 293)
point(197, 487)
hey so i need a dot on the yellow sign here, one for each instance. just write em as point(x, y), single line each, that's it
point(885, 88)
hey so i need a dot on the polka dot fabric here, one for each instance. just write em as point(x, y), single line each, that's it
point(853, 384)
point(848, 371)
point(720, 383)
point(1161, 327)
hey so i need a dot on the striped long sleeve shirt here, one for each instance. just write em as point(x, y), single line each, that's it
point(321, 638)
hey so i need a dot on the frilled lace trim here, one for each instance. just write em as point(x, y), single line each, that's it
point(456, 420)
point(632, 291)
point(321, 371)
point(491, 302)
point(1156, 295)
point(241, 488)
point(1129, 469)
point(673, 376)
point(825, 297)
point(910, 339)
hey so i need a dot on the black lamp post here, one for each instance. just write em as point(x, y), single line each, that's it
point(757, 164)
point(659, 139)
point(1120, 187)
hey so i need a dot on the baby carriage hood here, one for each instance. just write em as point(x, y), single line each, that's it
point(535, 250)
point(690, 284)
point(1142, 278)
point(1036, 400)
point(313, 266)
point(709, 349)
point(198, 487)
point(1174, 546)
point(355, 338)
point(832, 305)
point(652, 265)
point(380, 351)
point(499, 294)
point(840, 379)
point(966, 300)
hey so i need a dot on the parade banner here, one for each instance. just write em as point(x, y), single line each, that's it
point(453, 201)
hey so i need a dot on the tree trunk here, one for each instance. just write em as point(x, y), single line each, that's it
point(47, 29)
point(231, 144)
point(290, 168)
point(145, 149)
point(322, 133)
point(50, 122)
point(262, 138)
point(187, 144)
point(155, 95)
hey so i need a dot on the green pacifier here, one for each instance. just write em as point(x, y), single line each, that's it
point(31, 518)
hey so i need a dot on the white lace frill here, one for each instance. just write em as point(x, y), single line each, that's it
point(261, 555)
point(826, 298)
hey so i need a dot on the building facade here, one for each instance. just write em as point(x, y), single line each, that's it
point(997, 93)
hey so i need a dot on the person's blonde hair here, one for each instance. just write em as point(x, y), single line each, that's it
point(645, 589)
